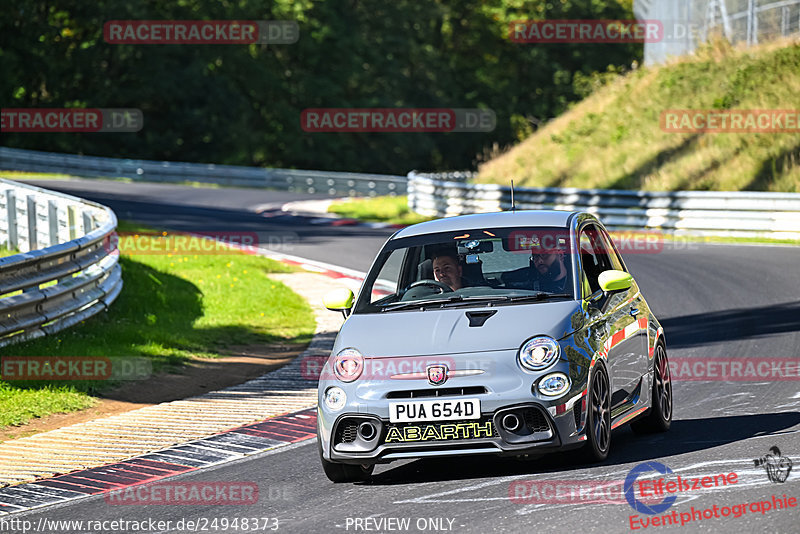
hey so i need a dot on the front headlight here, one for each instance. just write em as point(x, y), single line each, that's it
point(335, 398)
point(538, 353)
point(554, 384)
point(348, 365)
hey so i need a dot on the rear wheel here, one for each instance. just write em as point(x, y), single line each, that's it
point(598, 418)
point(339, 473)
point(659, 417)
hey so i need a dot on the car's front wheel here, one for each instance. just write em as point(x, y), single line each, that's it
point(339, 473)
point(659, 416)
point(598, 418)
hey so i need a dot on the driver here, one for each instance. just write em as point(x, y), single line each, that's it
point(448, 270)
point(551, 269)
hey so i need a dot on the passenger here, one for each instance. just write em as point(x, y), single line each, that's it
point(448, 270)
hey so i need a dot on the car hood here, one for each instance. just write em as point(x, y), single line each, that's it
point(448, 330)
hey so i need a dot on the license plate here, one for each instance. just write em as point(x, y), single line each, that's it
point(434, 410)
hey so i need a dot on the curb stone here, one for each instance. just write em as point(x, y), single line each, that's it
point(317, 211)
point(274, 410)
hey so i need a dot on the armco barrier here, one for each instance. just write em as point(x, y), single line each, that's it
point(67, 268)
point(733, 214)
point(333, 183)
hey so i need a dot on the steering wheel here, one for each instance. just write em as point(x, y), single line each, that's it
point(432, 283)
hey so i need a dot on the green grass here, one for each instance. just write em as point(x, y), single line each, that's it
point(389, 209)
point(613, 139)
point(172, 308)
point(5, 251)
point(18, 405)
point(733, 240)
point(24, 175)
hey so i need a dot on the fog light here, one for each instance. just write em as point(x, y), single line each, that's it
point(335, 398)
point(554, 384)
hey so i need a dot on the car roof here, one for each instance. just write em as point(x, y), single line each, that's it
point(502, 219)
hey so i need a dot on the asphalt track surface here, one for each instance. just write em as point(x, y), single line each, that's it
point(714, 301)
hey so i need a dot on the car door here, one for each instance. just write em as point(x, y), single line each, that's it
point(618, 323)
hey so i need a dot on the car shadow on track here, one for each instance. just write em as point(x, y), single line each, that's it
point(685, 436)
point(729, 325)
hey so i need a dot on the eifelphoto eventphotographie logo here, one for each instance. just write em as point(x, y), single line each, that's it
point(666, 486)
point(775, 464)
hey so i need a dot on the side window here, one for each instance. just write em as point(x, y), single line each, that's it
point(389, 276)
point(613, 254)
point(594, 258)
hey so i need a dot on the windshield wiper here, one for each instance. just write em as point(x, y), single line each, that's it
point(542, 295)
point(458, 299)
point(421, 303)
point(511, 298)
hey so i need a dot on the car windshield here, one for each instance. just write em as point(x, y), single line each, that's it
point(472, 267)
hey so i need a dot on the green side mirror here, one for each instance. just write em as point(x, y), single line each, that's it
point(339, 300)
point(615, 280)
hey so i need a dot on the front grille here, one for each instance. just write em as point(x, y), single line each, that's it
point(439, 392)
point(535, 420)
point(346, 431)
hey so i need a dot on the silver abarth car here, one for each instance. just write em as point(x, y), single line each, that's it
point(513, 333)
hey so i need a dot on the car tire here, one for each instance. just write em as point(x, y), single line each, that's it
point(598, 418)
point(659, 417)
point(341, 473)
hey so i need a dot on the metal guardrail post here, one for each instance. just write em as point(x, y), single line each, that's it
point(752, 23)
point(71, 222)
point(11, 217)
point(52, 220)
point(87, 222)
point(33, 236)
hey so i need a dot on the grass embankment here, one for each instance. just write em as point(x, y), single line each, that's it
point(613, 139)
point(172, 308)
point(393, 210)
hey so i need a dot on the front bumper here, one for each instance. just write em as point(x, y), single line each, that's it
point(538, 433)
point(502, 387)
